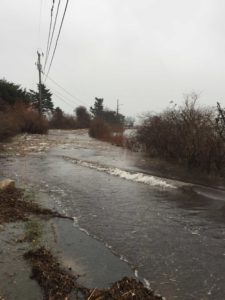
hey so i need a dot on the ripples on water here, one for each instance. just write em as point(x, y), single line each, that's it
point(172, 238)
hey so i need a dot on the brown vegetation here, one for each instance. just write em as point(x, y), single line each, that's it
point(104, 131)
point(20, 118)
point(56, 282)
point(59, 283)
point(187, 135)
point(106, 125)
point(99, 129)
point(125, 289)
point(17, 113)
point(60, 120)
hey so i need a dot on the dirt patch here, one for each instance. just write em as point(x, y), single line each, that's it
point(14, 207)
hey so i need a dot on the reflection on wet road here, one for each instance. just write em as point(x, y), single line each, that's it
point(173, 236)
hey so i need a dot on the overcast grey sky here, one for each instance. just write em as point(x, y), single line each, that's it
point(144, 53)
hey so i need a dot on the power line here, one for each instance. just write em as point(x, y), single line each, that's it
point(39, 22)
point(58, 37)
point(49, 33)
point(53, 31)
point(69, 100)
point(62, 99)
point(68, 93)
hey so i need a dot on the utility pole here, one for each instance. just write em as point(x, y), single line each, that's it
point(117, 107)
point(39, 67)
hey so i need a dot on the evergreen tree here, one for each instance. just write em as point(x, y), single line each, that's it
point(97, 110)
point(220, 121)
point(47, 104)
point(10, 93)
point(109, 116)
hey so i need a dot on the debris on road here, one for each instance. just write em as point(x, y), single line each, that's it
point(6, 184)
point(56, 282)
point(14, 207)
point(125, 289)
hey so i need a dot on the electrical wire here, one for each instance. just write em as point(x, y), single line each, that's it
point(62, 88)
point(74, 102)
point(39, 23)
point(53, 31)
point(58, 37)
point(62, 99)
point(49, 32)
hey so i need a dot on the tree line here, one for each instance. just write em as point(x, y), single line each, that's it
point(187, 134)
point(19, 113)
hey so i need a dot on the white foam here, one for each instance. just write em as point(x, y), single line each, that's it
point(108, 246)
point(84, 230)
point(123, 258)
point(142, 178)
point(136, 177)
point(147, 284)
point(75, 220)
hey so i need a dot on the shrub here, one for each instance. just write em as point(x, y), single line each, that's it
point(117, 139)
point(186, 135)
point(21, 118)
point(99, 129)
point(8, 126)
point(83, 118)
point(34, 124)
point(60, 120)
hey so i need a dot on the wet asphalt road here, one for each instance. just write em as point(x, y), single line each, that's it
point(174, 237)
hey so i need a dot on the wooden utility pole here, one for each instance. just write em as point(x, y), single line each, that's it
point(39, 67)
point(117, 108)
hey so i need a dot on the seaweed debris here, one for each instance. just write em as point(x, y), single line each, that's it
point(56, 282)
point(14, 207)
point(125, 289)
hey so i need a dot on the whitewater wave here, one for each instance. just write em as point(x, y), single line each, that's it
point(131, 176)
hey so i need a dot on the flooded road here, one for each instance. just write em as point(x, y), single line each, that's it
point(171, 233)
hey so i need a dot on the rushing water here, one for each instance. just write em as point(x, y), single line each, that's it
point(174, 237)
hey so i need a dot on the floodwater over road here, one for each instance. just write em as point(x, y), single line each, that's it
point(171, 233)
